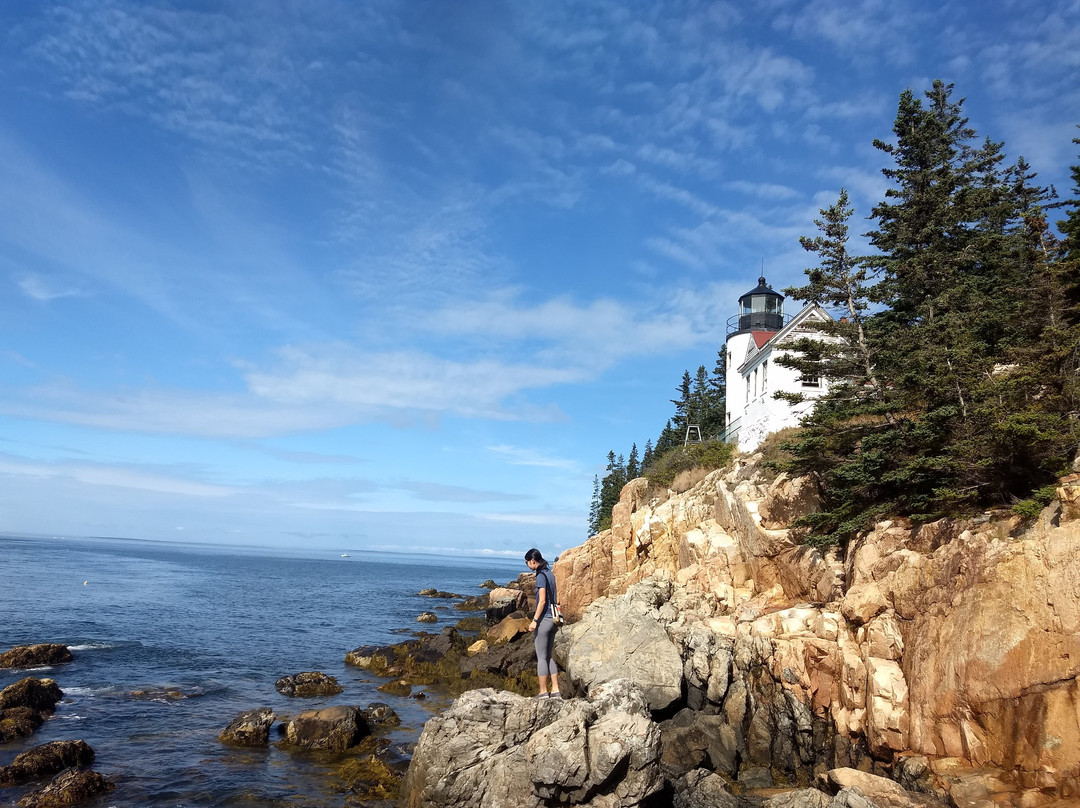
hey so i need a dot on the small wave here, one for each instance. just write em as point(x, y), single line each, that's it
point(92, 646)
point(33, 669)
point(88, 690)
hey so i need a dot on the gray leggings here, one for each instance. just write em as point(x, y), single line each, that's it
point(545, 639)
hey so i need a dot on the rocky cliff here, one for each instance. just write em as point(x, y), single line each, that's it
point(925, 653)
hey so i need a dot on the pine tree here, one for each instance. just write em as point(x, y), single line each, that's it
point(647, 456)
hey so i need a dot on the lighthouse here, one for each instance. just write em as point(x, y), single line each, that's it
point(755, 338)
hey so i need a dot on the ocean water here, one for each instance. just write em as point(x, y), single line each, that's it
point(202, 633)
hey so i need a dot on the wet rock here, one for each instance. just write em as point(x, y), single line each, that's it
point(397, 687)
point(373, 657)
point(251, 728)
point(488, 584)
point(448, 640)
point(19, 722)
point(471, 624)
point(25, 705)
point(381, 715)
point(435, 593)
point(159, 694)
point(514, 660)
point(308, 685)
point(32, 656)
point(45, 761)
point(68, 788)
point(37, 694)
point(373, 773)
point(477, 603)
point(332, 729)
point(427, 617)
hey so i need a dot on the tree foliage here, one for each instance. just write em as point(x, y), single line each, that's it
point(953, 369)
point(700, 403)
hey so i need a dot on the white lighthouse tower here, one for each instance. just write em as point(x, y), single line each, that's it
point(755, 338)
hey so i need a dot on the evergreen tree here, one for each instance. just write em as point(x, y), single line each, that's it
point(669, 438)
point(633, 468)
point(594, 507)
point(682, 406)
point(715, 425)
point(610, 488)
point(841, 283)
point(955, 392)
point(647, 456)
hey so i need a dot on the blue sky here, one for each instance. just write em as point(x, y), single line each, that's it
point(399, 274)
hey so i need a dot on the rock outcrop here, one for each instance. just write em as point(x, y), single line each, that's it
point(250, 728)
point(309, 684)
point(624, 639)
point(45, 761)
point(34, 656)
point(332, 729)
point(493, 749)
point(70, 787)
point(25, 705)
point(951, 641)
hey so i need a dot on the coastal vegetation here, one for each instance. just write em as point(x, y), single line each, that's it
point(953, 361)
point(692, 439)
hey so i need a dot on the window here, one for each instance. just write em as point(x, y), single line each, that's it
point(764, 376)
point(810, 381)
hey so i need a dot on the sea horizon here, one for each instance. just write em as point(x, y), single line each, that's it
point(172, 640)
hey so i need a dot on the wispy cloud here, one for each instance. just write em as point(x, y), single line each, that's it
point(436, 492)
point(46, 289)
point(114, 476)
point(520, 456)
point(536, 518)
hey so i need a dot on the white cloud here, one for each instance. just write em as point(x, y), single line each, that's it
point(99, 474)
point(519, 456)
point(45, 289)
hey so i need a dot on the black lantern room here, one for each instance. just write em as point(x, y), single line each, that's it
point(760, 309)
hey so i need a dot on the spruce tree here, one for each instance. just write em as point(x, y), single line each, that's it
point(954, 394)
point(594, 507)
point(716, 423)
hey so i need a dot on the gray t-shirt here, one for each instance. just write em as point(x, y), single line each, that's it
point(545, 580)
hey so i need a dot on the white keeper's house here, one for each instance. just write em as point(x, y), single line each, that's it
point(756, 337)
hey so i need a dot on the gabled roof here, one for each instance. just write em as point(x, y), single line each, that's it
point(765, 340)
point(761, 337)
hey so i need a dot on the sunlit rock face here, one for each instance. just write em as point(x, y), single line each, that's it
point(956, 641)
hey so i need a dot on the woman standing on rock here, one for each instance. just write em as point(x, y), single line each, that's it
point(543, 624)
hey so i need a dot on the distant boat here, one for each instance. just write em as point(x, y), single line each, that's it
point(344, 555)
